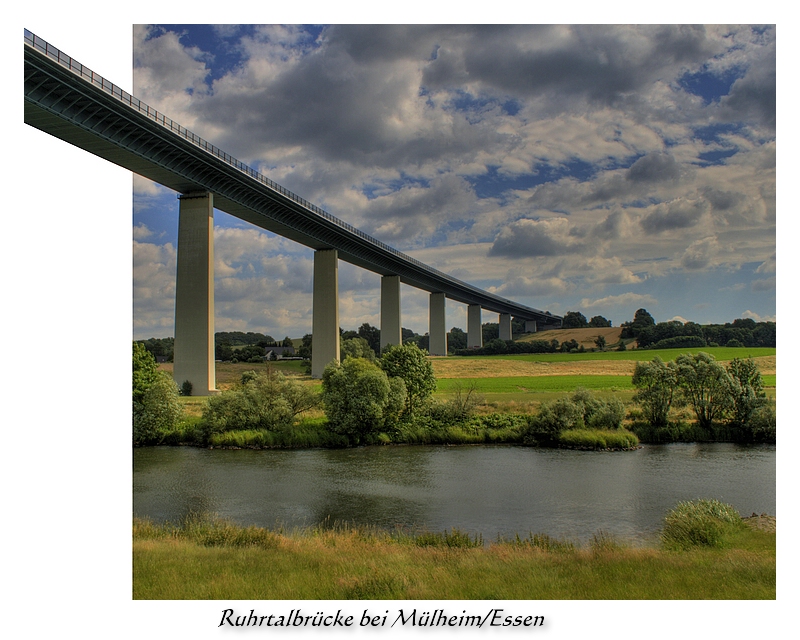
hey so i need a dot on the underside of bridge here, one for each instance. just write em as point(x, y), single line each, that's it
point(69, 101)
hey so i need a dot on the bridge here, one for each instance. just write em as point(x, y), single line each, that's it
point(69, 101)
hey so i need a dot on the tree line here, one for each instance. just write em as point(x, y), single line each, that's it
point(728, 402)
point(239, 346)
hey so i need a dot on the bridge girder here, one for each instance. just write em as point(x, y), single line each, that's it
point(68, 101)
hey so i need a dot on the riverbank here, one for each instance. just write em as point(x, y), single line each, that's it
point(223, 561)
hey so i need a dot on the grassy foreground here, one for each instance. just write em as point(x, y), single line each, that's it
point(223, 561)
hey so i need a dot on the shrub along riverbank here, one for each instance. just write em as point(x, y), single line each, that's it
point(705, 552)
point(391, 400)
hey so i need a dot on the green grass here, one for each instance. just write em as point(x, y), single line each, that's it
point(701, 523)
point(225, 562)
point(720, 353)
point(598, 439)
point(532, 384)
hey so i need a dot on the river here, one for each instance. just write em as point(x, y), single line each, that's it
point(488, 490)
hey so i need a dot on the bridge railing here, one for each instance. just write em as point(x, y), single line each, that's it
point(109, 87)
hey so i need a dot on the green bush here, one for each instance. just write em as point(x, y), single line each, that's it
point(762, 424)
point(704, 523)
point(599, 413)
point(705, 385)
point(460, 406)
point(746, 390)
point(409, 363)
point(360, 399)
point(498, 421)
point(580, 410)
point(260, 402)
point(679, 342)
point(554, 417)
point(158, 411)
point(607, 416)
point(655, 382)
point(596, 439)
point(145, 371)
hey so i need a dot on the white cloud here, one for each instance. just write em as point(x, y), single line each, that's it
point(141, 232)
point(700, 253)
point(534, 160)
point(757, 317)
point(621, 300)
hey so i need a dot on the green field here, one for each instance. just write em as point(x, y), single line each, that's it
point(720, 353)
point(548, 384)
point(532, 384)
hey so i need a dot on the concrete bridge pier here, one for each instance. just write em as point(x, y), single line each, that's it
point(194, 295)
point(391, 329)
point(325, 309)
point(437, 327)
point(505, 326)
point(474, 328)
point(530, 326)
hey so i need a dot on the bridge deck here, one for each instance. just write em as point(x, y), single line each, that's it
point(69, 101)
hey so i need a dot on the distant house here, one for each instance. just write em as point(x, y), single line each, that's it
point(280, 352)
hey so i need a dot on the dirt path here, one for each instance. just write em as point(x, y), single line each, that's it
point(761, 522)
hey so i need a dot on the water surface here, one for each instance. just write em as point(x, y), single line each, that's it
point(491, 490)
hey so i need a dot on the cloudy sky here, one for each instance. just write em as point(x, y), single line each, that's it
point(571, 168)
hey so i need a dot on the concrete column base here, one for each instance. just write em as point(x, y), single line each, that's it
point(530, 326)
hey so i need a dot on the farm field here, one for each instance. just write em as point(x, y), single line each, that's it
point(605, 363)
point(523, 379)
point(512, 380)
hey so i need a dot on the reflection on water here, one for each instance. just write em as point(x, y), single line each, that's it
point(490, 490)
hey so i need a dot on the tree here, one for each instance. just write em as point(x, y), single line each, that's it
point(156, 406)
point(599, 321)
point(372, 335)
point(490, 331)
point(656, 382)
point(456, 339)
point(600, 342)
point(642, 319)
point(159, 411)
point(747, 393)
point(706, 386)
point(360, 399)
point(305, 348)
point(356, 348)
point(144, 371)
point(574, 320)
point(568, 345)
point(410, 363)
